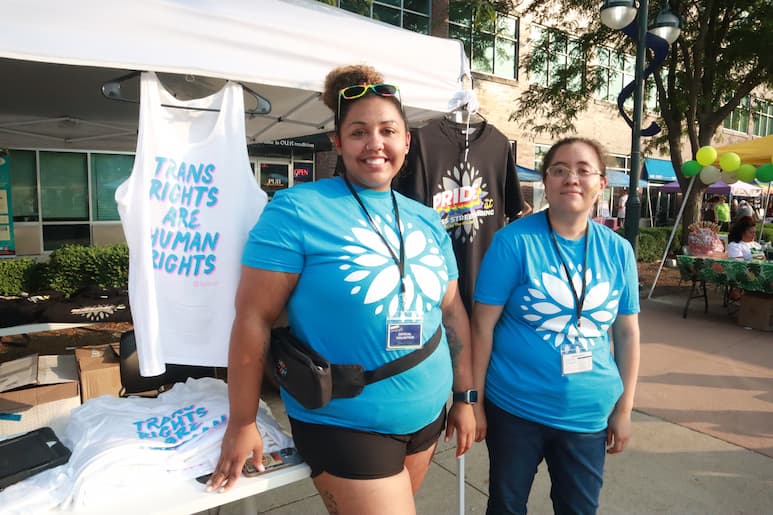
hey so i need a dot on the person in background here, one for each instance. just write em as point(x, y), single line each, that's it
point(709, 214)
point(550, 288)
point(621, 208)
point(350, 260)
point(740, 239)
point(527, 210)
point(744, 209)
point(722, 210)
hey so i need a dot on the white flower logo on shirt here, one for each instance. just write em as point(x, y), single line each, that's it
point(377, 274)
point(550, 306)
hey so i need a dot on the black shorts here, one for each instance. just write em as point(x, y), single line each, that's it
point(353, 454)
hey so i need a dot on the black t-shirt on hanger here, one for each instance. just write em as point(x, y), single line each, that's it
point(475, 196)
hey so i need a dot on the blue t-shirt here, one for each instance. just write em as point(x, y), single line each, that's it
point(349, 285)
point(522, 272)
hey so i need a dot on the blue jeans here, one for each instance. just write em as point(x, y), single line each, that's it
point(517, 446)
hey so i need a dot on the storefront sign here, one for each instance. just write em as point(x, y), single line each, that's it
point(303, 172)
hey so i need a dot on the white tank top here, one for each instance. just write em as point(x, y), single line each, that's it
point(186, 210)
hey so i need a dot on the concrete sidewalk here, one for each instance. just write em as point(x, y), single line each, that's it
point(667, 468)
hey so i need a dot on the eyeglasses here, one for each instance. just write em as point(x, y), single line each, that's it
point(359, 90)
point(562, 172)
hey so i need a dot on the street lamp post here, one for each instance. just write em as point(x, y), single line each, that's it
point(623, 15)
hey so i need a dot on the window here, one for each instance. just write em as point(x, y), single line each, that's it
point(617, 71)
point(24, 185)
point(618, 163)
point(739, 118)
point(539, 155)
point(63, 187)
point(491, 45)
point(553, 52)
point(63, 194)
point(763, 117)
point(108, 171)
point(412, 15)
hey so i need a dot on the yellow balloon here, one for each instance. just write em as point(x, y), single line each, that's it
point(730, 161)
point(706, 155)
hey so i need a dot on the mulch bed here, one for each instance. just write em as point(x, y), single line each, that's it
point(89, 305)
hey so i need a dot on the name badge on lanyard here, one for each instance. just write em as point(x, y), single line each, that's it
point(404, 331)
point(575, 360)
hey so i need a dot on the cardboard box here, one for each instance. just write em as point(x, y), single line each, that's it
point(18, 369)
point(756, 311)
point(47, 403)
point(99, 372)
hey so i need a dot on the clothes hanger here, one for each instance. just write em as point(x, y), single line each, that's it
point(112, 90)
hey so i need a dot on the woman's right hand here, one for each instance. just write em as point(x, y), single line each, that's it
point(238, 442)
point(480, 422)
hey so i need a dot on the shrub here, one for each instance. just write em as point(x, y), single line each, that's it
point(652, 242)
point(650, 248)
point(14, 274)
point(74, 267)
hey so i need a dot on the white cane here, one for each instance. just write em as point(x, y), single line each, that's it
point(460, 476)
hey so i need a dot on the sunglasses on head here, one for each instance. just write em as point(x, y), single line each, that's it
point(359, 90)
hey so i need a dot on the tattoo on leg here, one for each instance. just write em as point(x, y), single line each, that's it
point(330, 502)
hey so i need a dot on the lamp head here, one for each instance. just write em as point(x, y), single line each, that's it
point(667, 25)
point(617, 14)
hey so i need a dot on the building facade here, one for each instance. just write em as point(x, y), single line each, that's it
point(66, 196)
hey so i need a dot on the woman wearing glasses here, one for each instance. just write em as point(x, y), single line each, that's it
point(550, 288)
point(367, 276)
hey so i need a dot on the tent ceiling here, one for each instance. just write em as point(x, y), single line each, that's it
point(54, 57)
point(757, 151)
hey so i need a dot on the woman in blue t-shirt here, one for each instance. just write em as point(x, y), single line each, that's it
point(366, 276)
point(550, 288)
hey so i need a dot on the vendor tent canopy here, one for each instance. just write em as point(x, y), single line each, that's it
point(54, 57)
point(527, 174)
point(617, 179)
point(737, 189)
point(755, 151)
point(660, 170)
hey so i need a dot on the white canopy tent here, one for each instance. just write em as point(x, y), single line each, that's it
point(54, 57)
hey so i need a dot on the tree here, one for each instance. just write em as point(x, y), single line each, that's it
point(723, 54)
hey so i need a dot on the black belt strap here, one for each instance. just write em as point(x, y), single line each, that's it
point(405, 362)
point(349, 380)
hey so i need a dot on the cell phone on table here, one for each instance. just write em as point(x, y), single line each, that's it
point(273, 461)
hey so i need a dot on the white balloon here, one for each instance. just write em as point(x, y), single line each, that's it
point(710, 174)
point(729, 177)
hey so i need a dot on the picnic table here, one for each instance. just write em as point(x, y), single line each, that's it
point(754, 275)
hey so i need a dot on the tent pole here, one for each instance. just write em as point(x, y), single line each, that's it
point(671, 238)
point(765, 212)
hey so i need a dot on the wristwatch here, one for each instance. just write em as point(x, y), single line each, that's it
point(467, 396)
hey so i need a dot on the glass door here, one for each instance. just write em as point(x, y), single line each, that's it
point(273, 175)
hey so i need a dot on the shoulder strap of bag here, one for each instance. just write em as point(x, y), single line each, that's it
point(405, 362)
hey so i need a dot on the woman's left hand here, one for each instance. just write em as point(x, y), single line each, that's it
point(618, 432)
point(462, 420)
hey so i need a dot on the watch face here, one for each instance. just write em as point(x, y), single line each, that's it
point(472, 396)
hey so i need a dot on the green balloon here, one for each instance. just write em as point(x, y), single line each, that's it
point(765, 173)
point(691, 168)
point(746, 172)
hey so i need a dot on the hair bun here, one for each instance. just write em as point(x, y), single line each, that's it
point(344, 76)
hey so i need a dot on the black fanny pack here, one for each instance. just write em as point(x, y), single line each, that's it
point(313, 381)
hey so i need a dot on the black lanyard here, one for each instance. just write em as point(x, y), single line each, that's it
point(401, 261)
point(579, 301)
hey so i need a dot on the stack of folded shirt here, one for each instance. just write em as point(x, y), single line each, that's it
point(136, 443)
